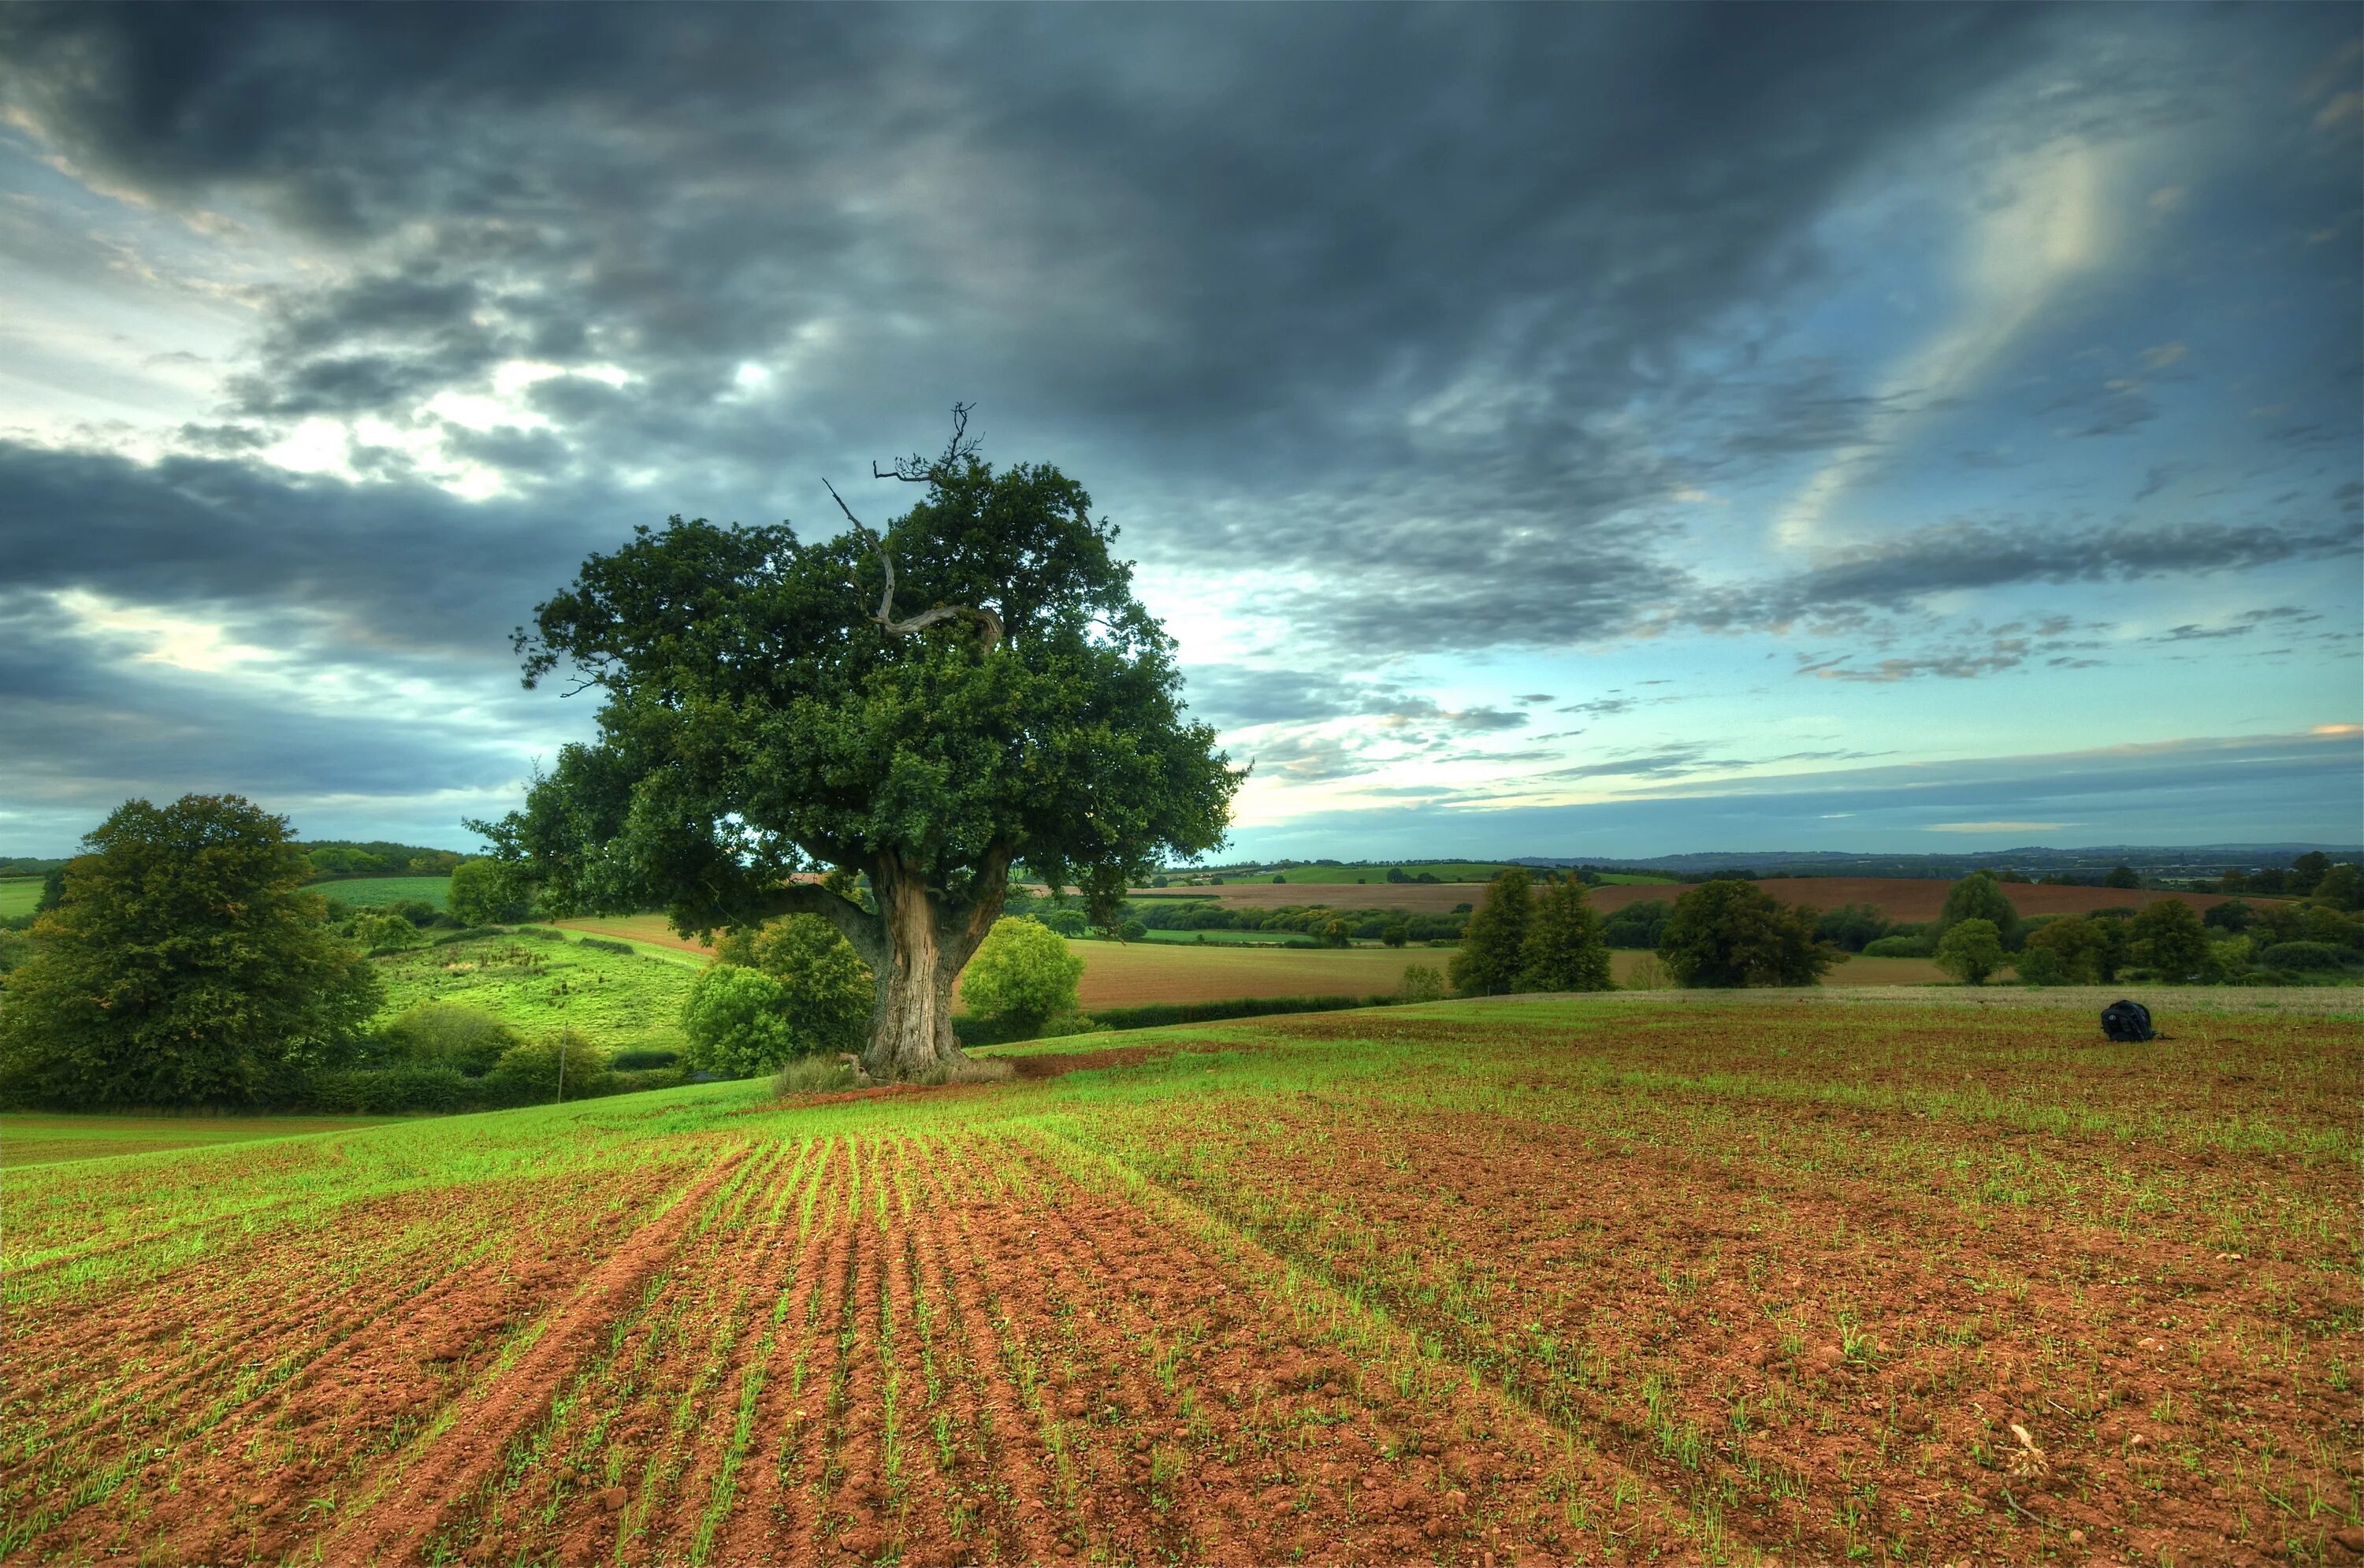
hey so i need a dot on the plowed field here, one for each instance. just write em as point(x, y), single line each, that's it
point(1478, 1283)
point(1900, 899)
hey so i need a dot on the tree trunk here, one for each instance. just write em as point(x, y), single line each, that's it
point(928, 942)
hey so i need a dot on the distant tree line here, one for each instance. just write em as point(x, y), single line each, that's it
point(375, 856)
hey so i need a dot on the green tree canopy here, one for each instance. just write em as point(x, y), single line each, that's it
point(1494, 947)
point(1730, 933)
point(182, 967)
point(1565, 951)
point(772, 705)
point(825, 988)
point(484, 892)
point(1978, 896)
point(2170, 940)
point(736, 1021)
point(1970, 950)
point(2069, 951)
point(1024, 976)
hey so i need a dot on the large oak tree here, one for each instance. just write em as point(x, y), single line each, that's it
point(975, 687)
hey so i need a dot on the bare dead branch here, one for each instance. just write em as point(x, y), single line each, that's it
point(987, 623)
point(917, 470)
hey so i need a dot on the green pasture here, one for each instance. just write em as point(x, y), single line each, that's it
point(19, 894)
point(32, 1138)
point(536, 980)
point(372, 892)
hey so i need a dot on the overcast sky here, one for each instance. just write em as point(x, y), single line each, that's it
point(1585, 430)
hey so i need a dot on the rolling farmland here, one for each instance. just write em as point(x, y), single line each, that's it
point(1839, 1280)
point(1127, 975)
point(1897, 898)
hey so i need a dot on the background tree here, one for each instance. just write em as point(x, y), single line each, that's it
point(1422, 983)
point(1729, 933)
point(1494, 947)
point(2064, 952)
point(1970, 950)
point(2170, 940)
point(1852, 927)
point(182, 967)
point(485, 892)
point(1564, 950)
point(1978, 896)
point(2340, 886)
point(1023, 976)
point(770, 708)
point(1395, 933)
point(2122, 876)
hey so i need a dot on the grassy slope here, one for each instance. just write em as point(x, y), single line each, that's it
point(1815, 1252)
point(368, 892)
point(19, 894)
point(616, 1000)
point(32, 1138)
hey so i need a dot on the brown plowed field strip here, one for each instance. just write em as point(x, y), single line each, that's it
point(1532, 1281)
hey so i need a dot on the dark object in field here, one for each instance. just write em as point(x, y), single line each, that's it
point(2126, 1021)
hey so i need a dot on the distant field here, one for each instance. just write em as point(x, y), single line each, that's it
point(369, 892)
point(1443, 871)
point(615, 999)
point(1899, 898)
point(19, 894)
point(1127, 974)
point(30, 1138)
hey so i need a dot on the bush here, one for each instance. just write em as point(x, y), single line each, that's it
point(736, 1022)
point(410, 1088)
point(2305, 956)
point(826, 991)
point(640, 1059)
point(602, 944)
point(2170, 939)
point(384, 930)
point(1422, 984)
point(1649, 973)
point(1731, 933)
point(812, 1075)
point(563, 1066)
point(468, 1041)
point(1970, 950)
point(1896, 947)
point(1023, 975)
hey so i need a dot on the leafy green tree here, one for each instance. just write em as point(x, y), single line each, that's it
point(2064, 952)
point(2233, 915)
point(486, 892)
point(1395, 933)
point(772, 705)
point(53, 890)
point(448, 1034)
point(1564, 950)
point(1494, 947)
point(1970, 950)
point(2122, 876)
point(2341, 887)
point(737, 1022)
point(1978, 896)
point(825, 988)
point(182, 967)
point(2170, 940)
point(383, 930)
point(1731, 933)
point(1024, 976)
point(1852, 926)
point(2308, 869)
point(559, 1067)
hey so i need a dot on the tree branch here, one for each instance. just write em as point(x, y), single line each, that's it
point(987, 622)
point(915, 469)
point(865, 930)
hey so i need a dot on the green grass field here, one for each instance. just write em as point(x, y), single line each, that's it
point(1726, 1279)
point(32, 1138)
point(369, 892)
point(617, 1000)
point(19, 894)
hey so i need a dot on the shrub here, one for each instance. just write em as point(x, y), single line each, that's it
point(563, 1065)
point(384, 930)
point(446, 1034)
point(1970, 950)
point(2304, 956)
point(735, 1022)
point(1896, 947)
point(1730, 933)
point(1395, 933)
point(1422, 984)
point(1023, 975)
point(404, 1088)
point(640, 1059)
point(2169, 938)
point(812, 1075)
point(826, 991)
point(602, 944)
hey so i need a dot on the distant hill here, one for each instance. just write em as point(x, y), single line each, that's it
point(2091, 861)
